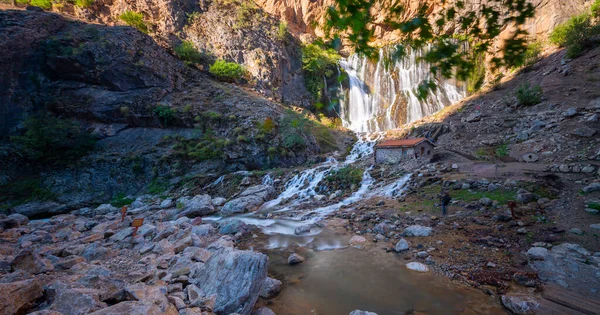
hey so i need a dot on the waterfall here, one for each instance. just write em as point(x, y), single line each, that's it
point(382, 95)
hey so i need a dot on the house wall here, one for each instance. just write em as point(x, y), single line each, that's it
point(397, 155)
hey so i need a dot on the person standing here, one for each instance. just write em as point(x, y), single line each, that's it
point(445, 202)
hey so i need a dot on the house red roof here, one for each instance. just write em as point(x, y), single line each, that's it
point(402, 143)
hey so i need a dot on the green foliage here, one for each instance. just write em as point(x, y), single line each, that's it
point(595, 206)
point(345, 177)
point(500, 195)
point(189, 54)
point(207, 147)
point(477, 76)
point(501, 150)
point(24, 191)
point(318, 63)
point(134, 19)
point(164, 113)
point(295, 130)
point(528, 96)
point(595, 9)
point(119, 200)
point(192, 17)
point(532, 54)
point(44, 4)
point(576, 34)
point(157, 186)
point(84, 3)
point(50, 139)
point(245, 14)
point(267, 126)
point(282, 31)
point(354, 22)
point(227, 71)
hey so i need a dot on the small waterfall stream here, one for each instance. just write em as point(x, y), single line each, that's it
point(380, 97)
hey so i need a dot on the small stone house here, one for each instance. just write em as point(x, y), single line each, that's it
point(404, 150)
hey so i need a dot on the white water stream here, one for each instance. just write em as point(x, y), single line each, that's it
point(379, 98)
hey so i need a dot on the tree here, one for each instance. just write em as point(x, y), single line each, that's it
point(353, 22)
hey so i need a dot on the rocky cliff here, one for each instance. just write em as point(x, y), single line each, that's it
point(156, 121)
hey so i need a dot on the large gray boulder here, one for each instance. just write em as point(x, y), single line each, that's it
point(359, 312)
point(197, 206)
point(520, 304)
point(241, 205)
point(265, 192)
point(235, 276)
point(73, 301)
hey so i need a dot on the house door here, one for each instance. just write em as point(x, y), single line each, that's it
point(422, 150)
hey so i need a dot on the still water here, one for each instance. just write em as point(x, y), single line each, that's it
point(339, 281)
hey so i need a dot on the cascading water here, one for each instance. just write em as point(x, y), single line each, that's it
point(382, 95)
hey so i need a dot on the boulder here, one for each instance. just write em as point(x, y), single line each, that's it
point(537, 253)
point(204, 230)
point(167, 203)
point(17, 297)
point(525, 197)
point(520, 304)
point(359, 312)
point(105, 209)
point(263, 311)
point(417, 230)
point(31, 262)
point(265, 192)
point(232, 226)
point(135, 308)
point(402, 245)
point(485, 202)
point(155, 294)
point(218, 201)
point(270, 288)
point(295, 259)
point(21, 219)
point(417, 266)
point(591, 188)
point(241, 205)
point(197, 206)
point(383, 228)
point(73, 301)
point(235, 276)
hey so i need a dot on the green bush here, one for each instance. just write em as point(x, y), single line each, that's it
point(208, 147)
point(596, 8)
point(318, 63)
point(157, 186)
point(189, 54)
point(532, 54)
point(119, 200)
point(227, 71)
point(84, 3)
point(575, 34)
point(53, 140)
point(44, 4)
point(528, 96)
point(134, 19)
point(23, 191)
point(477, 76)
point(282, 31)
point(295, 129)
point(345, 177)
point(164, 113)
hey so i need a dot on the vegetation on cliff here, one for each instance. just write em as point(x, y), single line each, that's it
point(579, 32)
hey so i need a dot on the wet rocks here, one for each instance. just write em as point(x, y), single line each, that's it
point(302, 229)
point(18, 296)
point(249, 199)
point(270, 288)
point(357, 241)
point(520, 304)
point(232, 226)
point(417, 230)
point(235, 276)
point(417, 266)
point(295, 259)
point(402, 245)
point(197, 206)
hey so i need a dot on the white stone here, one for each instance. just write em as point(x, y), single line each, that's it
point(537, 253)
point(417, 266)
